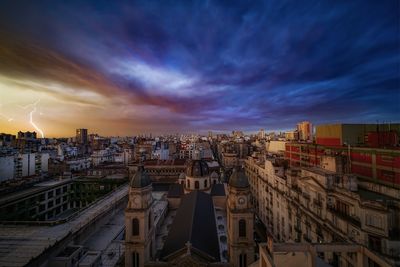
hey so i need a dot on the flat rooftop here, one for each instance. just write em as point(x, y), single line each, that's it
point(35, 189)
point(20, 243)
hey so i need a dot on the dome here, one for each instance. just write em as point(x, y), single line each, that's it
point(140, 178)
point(238, 179)
point(182, 175)
point(197, 168)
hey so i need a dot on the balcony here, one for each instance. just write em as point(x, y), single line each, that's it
point(350, 219)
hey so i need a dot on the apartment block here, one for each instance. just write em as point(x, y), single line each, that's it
point(316, 205)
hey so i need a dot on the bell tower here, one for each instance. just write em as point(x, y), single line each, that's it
point(139, 226)
point(240, 223)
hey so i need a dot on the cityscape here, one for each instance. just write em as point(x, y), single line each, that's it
point(200, 133)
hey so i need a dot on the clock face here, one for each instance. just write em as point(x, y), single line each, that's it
point(241, 200)
point(136, 201)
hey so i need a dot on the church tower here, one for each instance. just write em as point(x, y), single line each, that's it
point(240, 221)
point(139, 221)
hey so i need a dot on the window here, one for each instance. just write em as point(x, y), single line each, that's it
point(135, 259)
point(242, 228)
point(196, 185)
point(215, 181)
point(188, 184)
point(342, 207)
point(135, 227)
point(373, 220)
point(243, 260)
point(205, 183)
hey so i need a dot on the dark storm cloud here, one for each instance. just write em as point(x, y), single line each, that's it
point(220, 65)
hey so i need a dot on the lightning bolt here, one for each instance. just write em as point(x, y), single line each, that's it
point(33, 123)
point(31, 116)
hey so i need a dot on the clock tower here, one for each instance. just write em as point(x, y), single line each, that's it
point(139, 232)
point(240, 218)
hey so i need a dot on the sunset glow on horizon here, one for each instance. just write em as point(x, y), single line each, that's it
point(123, 68)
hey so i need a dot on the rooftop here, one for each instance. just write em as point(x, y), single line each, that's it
point(20, 243)
point(195, 224)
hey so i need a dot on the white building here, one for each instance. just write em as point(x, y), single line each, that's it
point(7, 167)
point(79, 164)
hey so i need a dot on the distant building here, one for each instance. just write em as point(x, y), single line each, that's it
point(261, 134)
point(292, 135)
point(6, 139)
point(370, 135)
point(370, 154)
point(82, 136)
point(305, 131)
point(27, 135)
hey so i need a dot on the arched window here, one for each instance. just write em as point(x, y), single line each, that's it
point(242, 228)
point(196, 185)
point(205, 183)
point(135, 227)
point(182, 182)
point(243, 260)
point(135, 259)
point(188, 184)
point(150, 221)
point(215, 181)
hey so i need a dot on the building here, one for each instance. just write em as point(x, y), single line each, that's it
point(261, 134)
point(316, 205)
point(6, 139)
point(291, 135)
point(359, 135)
point(240, 221)
point(82, 136)
point(7, 167)
point(307, 255)
point(305, 131)
point(26, 135)
point(192, 228)
point(376, 165)
point(164, 171)
point(275, 147)
point(55, 199)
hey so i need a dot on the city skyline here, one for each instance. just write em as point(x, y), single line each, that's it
point(122, 69)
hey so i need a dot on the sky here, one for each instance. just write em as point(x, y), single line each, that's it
point(129, 67)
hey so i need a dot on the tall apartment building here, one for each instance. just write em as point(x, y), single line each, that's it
point(305, 131)
point(23, 165)
point(82, 136)
point(316, 205)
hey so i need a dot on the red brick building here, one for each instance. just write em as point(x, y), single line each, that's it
point(371, 152)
